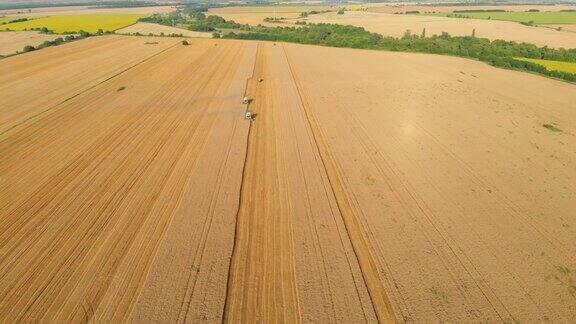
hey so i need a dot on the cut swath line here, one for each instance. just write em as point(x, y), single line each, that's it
point(261, 281)
point(376, 290)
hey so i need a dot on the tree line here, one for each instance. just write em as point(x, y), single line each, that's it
point(499, 53)
point(193, 18)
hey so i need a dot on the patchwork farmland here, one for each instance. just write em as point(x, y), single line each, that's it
point(370, 186)
point(397, 25)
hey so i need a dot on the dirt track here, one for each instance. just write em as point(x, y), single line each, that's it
point(371, 185)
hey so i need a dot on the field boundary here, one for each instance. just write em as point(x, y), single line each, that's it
point(132, 24)
point(378, 295)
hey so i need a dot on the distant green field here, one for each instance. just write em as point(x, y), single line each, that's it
point(553, 65)
point(75, 23)
point(536, 17)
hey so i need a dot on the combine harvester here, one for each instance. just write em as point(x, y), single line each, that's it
point(249, 115)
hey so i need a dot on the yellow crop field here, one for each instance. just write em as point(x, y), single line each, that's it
point(554, 65)
point(75, 23)
point(355, 7)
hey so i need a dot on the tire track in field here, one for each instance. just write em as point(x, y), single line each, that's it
point(378, 294)
point(325, 280)
point(389, 173)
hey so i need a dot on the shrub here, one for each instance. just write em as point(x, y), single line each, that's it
point(552, 127)
point(529, 23)
point(201, 27)
point(17, 20)
point(28, 48)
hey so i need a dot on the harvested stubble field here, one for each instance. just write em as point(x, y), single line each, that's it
point(370, 185)
point(14, 41)
point(253, 15)
point(564, 28)
point(145, 28)
point(396, 25)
